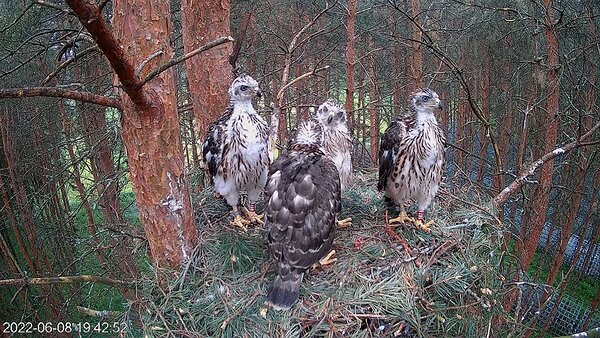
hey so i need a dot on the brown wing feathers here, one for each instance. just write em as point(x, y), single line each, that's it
point(304, 194)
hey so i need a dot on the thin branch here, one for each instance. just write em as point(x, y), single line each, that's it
point(13, 93)
point(51, 5)
point(182, 58)
point(521, 179)
point(92, 19)
point(68, 62)
point(17, 19)
point(138, 69)
point(287, 85)
point(66, 280)
point(99, 314)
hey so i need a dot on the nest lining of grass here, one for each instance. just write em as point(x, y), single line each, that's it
point(446, 286)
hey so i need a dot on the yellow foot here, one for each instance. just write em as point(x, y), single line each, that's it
point(253, 217)
point(425, 227)
point(402, 218)
point(240, 222)
point(327, 260)
point(344, 223)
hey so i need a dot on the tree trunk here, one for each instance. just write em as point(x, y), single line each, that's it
point(210, 76)
point(350, 49)
point(373, 113)
point(542, 192)
point(151, 134)
point(417, 57)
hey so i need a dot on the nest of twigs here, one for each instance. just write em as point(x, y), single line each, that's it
point(387, 282)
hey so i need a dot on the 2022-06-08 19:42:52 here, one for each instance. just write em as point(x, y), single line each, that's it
point(63, 327)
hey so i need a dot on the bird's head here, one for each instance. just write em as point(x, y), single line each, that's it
point(425, 100)
point(308, 135)
point(244, 88)
point(331, 113)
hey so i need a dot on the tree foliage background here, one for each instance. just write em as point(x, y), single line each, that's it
point(519, 80)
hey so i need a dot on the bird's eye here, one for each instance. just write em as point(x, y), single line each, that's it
point(425, 98)
point(244, 88)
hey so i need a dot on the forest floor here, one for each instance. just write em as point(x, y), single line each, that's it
point(388, 281)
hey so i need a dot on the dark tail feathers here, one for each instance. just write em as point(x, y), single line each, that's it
point(283, 293)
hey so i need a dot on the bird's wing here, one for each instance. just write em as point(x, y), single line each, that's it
point(214, 143)
point(388, 150)
point(301, 212)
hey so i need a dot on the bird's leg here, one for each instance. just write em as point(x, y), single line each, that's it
point(419, 222)
point(251, 214)
point(238, 220)
point(402, 217)
point(344, 223)
point(327, 260)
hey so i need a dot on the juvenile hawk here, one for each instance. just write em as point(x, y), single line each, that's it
point(337, 142)
point(411, 156)
point(303, 194)
point(235, 150)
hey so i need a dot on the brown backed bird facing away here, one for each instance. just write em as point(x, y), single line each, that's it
point(303, 200)
point(411, 156)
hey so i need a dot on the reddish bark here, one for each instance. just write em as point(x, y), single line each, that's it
point(360, 131)
point(102, 164)
point(350, 51)
point(149, 122)
point(208, 77)
point(240, 38)
point(373, 113)
point(152, 139)
point(417, 56)
point(91, 18)
point(485, 107)
point(542, 192)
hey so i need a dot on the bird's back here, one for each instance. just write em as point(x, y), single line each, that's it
point(303, 201)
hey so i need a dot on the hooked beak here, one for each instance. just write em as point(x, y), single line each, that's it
point(440, 105)
point(330, 118)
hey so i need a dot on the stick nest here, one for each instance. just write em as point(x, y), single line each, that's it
point(447, 285)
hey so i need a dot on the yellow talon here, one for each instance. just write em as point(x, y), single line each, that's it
point(327, 260)
point(344, 223)
point(254, 217)
point(240, 222)
point(402, 218)
point(425, 227)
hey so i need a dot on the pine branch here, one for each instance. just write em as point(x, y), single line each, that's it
point(13, 93)
point(92, 19)
point(66, 280)
point(175, 61)
point(522, 178)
